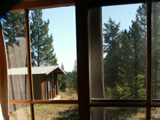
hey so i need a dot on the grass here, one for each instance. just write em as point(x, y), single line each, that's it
point(70, 112)
point(50, 111)
point(56, 112)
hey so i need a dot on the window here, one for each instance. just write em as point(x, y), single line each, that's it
point(34, 74)
point(98, 103)
point(146, 102)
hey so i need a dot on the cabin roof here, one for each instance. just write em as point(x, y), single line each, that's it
point(36, 70)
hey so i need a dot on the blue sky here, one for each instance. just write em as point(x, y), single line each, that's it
point(63, 28)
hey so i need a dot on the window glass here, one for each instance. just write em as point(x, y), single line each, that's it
point(19, 112)
point(155, 50)
point(114, 113)
point(123, 53)
point(53, 53)
point(155, 113)
point(13, 25)
point(56, 112)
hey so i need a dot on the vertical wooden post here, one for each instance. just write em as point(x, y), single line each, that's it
point(47, 87)
point(82, 59)
point(28, 46)
point(52, 86)
point(96, 60)
point(56, 79)
point(149, 60)
point(3, 77)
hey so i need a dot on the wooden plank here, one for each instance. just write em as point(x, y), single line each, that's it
point(43, 102)
point(96, 59)
point(52, 85)
point(56, 79)
point(82, 59)
point(41, 4)
point(3, 77)
point(99, 3)
point(149, 59)
point(47, 87)
point(118, 104)
point(28, 46)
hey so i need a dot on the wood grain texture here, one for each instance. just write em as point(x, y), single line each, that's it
point(28, 46)
point(41, 4)
point(149, 59)
point(83, 59)
point(43, 102)
point(3, 77)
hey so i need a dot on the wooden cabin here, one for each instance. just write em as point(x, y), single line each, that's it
point(45, 82)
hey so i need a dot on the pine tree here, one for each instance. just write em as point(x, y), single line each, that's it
point(141, 20)
point(41, 43)
point(111, 60)
point(125, 66)
point(13, 25)
point(135, 39)
point(156, 50)
point(72, 78)
point(62, 79)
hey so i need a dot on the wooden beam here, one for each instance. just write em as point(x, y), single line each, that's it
point(3, 77)
point(149, 59)
point(118, 104)
point(99, 3)
point(41, 4)
point(56, 79)
point(43, 102)
point(28, 46)
point(83, 59)
point(47, 87)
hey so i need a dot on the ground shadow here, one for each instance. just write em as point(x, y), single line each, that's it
point(123, 114)
point(71, 114)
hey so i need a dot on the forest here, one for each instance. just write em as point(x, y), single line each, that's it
point(125, 56)
point(125, 52)
point(125, 61)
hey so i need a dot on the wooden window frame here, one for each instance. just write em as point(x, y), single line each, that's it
point(84, 102)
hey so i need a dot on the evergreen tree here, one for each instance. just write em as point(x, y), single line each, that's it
point(72, 78)
point(62, 80)
point(111, 60)
point(125, 58)
point(125, 66)
point(141, 20)
point(41, 43)
point(156, 50)
point(135, 40)
point(13, 25)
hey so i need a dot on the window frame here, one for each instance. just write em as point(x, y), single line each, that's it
point(83, 69)
point(81, 35)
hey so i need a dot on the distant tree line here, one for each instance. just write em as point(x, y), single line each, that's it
point(42, 49)
point(125, 58)
point(125, 61)
point(69, 80)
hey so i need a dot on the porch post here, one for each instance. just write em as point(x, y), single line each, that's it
point(96, 60)
point(56, 79)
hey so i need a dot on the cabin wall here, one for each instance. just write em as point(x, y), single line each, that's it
point(18, 90)
point(44, 86)
point(39, 87)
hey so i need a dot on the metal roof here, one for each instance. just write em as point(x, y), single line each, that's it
point(35, 70)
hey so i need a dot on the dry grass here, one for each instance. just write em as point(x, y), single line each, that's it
point(56, 112)
point(69, 94)
point(50, 111)
point(70, 112)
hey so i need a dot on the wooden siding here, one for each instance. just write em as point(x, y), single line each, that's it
point(39, 87)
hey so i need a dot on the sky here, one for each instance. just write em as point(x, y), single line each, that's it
point(63, 28)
